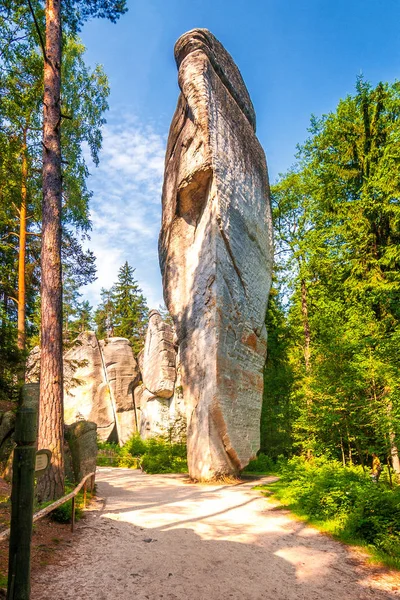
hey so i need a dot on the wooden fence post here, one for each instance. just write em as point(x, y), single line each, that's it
point(73, 515)
point(22, 494)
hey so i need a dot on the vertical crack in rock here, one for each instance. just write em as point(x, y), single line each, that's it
point(229, 250)
point(122, 373)
point(215, 251)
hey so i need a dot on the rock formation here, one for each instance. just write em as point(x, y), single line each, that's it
point(122, 375)
point(105, 384)
point(216, 255)
point(155, 397)
point(86, 392)
point(159, 357)
point(82, 443)
point(99, 379)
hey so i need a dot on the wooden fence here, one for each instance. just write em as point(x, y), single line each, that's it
point(72, 495)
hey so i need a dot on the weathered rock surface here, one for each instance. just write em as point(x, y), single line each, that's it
point(153, 412)
point(7, 444)
point(139, 359)
point(122, 376)
point(216, 255)
point(82, 441)
point(7, 425)
point(32, 367)
point(101, 380)
point(86, 393)
point(159, 356)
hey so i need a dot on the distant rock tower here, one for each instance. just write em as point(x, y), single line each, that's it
point(216, 253)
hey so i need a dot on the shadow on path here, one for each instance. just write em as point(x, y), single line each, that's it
point(160, 538)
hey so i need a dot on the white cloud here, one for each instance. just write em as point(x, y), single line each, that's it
point(126, 205)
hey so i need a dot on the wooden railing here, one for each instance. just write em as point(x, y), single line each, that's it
point(72, 495)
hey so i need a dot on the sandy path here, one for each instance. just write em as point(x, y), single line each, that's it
point(158, 537)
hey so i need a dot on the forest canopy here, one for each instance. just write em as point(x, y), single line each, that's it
point(332, 377)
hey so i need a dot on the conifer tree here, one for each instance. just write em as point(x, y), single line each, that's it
point(131, 312)
point(71, 14)
point(123, 310)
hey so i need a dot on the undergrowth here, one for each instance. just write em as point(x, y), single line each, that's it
point(63, 514)
point(262, 465)
point(164, 453)
point(344, 502)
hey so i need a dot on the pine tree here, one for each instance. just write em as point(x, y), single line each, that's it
point(123, 310)
point(104, 316)
point(72, 13)
point(131, 312)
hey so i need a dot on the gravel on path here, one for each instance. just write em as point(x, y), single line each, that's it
point(156, 537)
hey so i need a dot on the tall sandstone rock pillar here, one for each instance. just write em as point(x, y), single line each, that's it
point(216, 255)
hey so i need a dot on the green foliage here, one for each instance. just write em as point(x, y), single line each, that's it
point(123, 310)
point(136, 446)
point(165, 453)
point(261, 464)
point(277, 410)
point(344, 500)
point(332, 377)
point(63, 514)
point(161, 456)
point(108, 454)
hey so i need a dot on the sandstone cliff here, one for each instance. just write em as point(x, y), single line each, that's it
point(216, 255)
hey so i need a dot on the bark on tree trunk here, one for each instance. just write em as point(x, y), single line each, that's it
point(22, 249)
point(306, 325)
point(51, 419)
point(394, 452)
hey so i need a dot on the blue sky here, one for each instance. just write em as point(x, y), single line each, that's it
point(296, 57)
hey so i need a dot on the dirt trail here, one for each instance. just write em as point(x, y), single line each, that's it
point(159, 537)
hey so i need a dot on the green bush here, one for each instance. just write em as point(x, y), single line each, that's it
point(136, 446)
point(165, 453)
point(163, 456)
point(63, 514)
point(108, 454)
point(261, 464)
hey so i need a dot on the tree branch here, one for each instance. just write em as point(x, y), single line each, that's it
point(9, 233)
point(38, 31)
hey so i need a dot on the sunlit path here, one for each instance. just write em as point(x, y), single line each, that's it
point(158, 536)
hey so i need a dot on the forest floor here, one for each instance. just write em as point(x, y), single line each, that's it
point(161, 537)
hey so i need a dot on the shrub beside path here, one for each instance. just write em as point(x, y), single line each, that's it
point(156, 537)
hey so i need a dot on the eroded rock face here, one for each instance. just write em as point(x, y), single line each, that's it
point(159, 357)
point(32, 367)
point(122, 376)
point(82, 442)
point(7, 444)
point(216, 255)
point(86, 391)
point(153, 412)
point(99, 379)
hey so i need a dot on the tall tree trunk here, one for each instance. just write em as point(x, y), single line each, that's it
point(306, 326)
point(342, 450)
point(22, 248)
point(394, 452)
point(51, 420)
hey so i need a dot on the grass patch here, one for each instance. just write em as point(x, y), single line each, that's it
point(344, 502)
